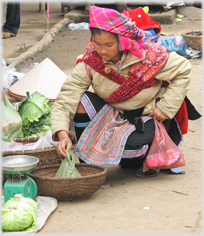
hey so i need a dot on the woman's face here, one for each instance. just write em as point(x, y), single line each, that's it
point(106, 45)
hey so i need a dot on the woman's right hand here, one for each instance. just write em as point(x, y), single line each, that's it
point(64, 144)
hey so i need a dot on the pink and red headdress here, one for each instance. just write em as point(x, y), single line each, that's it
point(130, 36)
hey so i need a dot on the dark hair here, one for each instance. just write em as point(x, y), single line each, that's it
point(96, 31)
point(99, 31)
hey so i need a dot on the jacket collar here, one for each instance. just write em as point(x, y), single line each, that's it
point(129, 60)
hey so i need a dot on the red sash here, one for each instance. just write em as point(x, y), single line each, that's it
point(140, 76)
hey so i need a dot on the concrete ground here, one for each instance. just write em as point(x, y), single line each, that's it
point(32, 28)
point(174, 202)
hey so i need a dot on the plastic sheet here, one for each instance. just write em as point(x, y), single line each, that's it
point(175, 43)
point(43, 142)
point(9, 74)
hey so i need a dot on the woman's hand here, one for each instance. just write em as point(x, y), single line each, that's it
point(64, 144)
point(158, 114)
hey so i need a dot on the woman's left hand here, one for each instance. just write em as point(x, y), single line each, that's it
point(158, 114)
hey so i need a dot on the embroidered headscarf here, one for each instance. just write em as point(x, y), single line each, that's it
point(142, 74)
point(130, 36)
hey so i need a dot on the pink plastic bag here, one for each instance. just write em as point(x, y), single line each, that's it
point(163, 153)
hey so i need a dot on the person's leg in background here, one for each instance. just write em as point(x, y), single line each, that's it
point(12, 24)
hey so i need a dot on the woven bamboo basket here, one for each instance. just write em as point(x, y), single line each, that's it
point(193, 41)
point(47, 156)
point(63, 189)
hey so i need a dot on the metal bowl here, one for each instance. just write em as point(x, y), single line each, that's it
point(18, 163)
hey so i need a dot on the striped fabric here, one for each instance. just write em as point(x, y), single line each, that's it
point(103, 140)
point(88, 106)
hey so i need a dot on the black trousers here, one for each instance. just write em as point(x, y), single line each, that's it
point(12, 23)
point(136, 139)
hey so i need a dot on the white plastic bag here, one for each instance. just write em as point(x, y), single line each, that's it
point(79, 26)
point(8, 74)
point(43, 142)
point(11, 121)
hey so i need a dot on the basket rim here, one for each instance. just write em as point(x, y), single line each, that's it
point(29, 139)
point(192, 36)
point(103, 172)
point(32, 151)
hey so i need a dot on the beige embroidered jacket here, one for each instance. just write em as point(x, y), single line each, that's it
point(177, 70)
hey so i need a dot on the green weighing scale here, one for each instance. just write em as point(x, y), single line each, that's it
point(18, 166)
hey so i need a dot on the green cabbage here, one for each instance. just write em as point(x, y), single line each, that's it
point(19, 213)
point(20, 200)
point(35, 111)
point(40, 132)
point(33, 107)
point(17, 218)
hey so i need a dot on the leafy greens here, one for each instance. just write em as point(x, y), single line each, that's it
point(35, 111)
